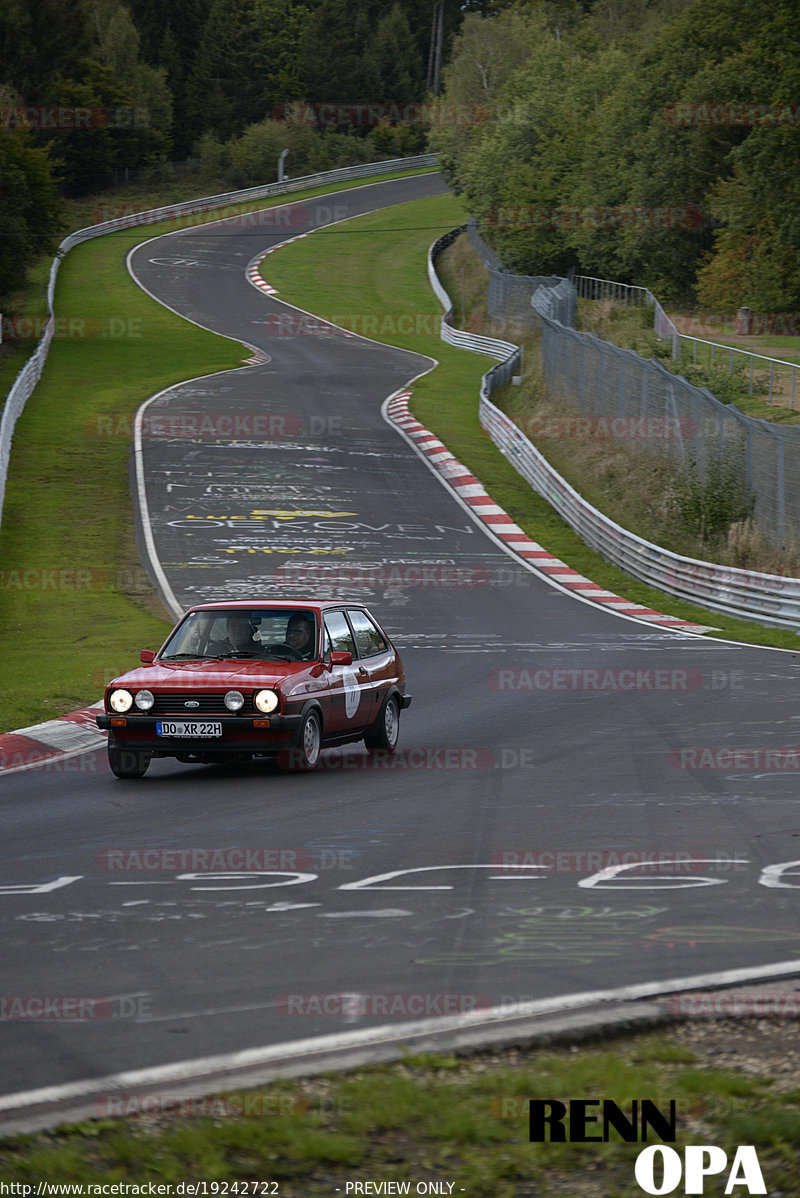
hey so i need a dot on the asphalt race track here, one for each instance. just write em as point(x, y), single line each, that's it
point(545, 733)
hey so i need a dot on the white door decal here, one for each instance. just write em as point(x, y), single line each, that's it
point(352, 693)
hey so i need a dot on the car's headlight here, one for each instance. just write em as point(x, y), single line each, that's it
point(120, 700)
point(266, 701)
point(234, 700)
point(144, 700)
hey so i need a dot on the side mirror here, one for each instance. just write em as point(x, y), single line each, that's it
point(147, 656)
point(341, 657)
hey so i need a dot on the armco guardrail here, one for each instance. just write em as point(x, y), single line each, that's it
point(504, 350)
point(31, 372)
point(769, 598)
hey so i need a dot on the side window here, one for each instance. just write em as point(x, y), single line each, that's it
point(369, 638)
point(338, 632)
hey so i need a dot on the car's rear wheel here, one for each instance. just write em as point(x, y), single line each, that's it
point(304, 754)
point(385, 732)
point(128, 763)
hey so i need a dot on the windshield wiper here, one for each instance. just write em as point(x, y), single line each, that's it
point(233, 653)
point(209, 656)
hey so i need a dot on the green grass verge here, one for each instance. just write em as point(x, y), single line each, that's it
point(442, 1118)
point(75, 604)
point(386, 279)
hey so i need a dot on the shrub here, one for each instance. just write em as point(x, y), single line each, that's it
point(708, 504)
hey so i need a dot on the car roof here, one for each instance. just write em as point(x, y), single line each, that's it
point(318, 605)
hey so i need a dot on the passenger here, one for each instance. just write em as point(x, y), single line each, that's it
point(239, 638)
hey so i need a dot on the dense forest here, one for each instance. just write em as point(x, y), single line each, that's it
point(654, 141)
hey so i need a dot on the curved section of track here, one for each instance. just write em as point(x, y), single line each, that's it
point(552, 754)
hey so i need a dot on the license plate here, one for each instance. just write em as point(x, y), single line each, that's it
point(193, 728)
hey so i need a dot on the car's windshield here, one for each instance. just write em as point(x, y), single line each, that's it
point(282, 634)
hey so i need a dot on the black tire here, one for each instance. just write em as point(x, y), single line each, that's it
point(304, 754)
point(385, 732)
point(128, 763)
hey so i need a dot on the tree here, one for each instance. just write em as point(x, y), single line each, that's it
point(486, 53)
point(246, 64)
point(753, 263)
point(350, 74)
point(396, 58)
point(170, 36)
point(40, 39)
point(584, 130)
point(30, 210)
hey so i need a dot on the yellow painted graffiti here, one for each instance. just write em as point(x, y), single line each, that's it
point(284, 515)
point(270, 549)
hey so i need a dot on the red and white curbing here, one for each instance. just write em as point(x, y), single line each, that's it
point(471, 491)
point(55, 739)
point(257, 358)
point(253, 273)
point(253, 276)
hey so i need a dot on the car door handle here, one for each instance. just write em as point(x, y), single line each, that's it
point(364, 673)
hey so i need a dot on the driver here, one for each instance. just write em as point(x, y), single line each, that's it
point(300, 636)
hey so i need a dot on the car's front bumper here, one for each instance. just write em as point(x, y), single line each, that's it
point(240, 734)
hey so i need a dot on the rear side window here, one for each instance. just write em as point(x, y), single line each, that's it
point(369, 638)
point(339, 638)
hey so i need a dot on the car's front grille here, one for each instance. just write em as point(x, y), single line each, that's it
point(199, 704)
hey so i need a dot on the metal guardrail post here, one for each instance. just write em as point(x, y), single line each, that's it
point(748, 457)
point(780, 492)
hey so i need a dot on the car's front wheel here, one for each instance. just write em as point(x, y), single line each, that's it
point(385, 732)
point(128, 763)
point(304, 754)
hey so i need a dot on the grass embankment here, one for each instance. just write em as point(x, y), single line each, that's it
point(451, 1120)
point(385, 280)
point(75, 604)
point(707, 365)
point(652, 496)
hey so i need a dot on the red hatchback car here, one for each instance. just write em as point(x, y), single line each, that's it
point(258, 679)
